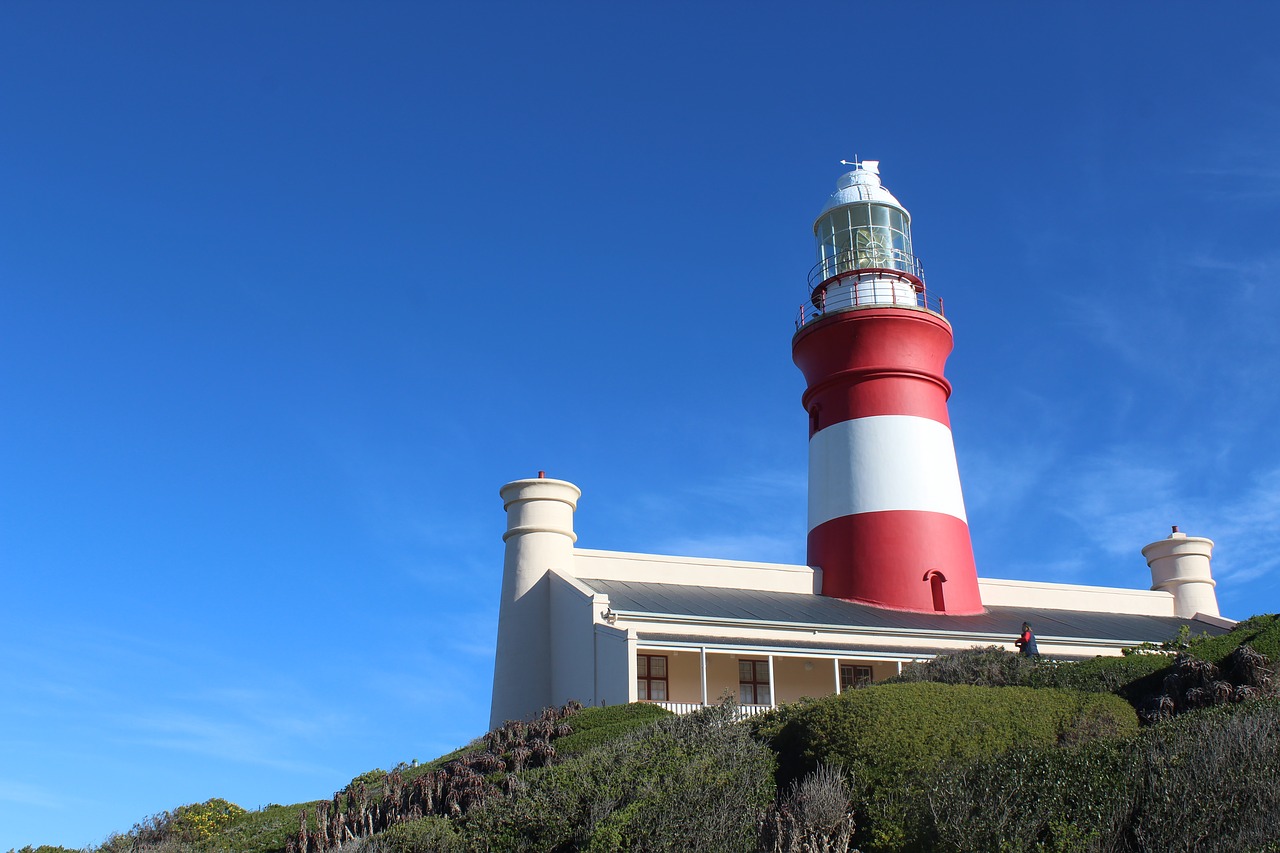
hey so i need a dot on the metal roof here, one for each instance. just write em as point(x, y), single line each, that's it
point(784, 608)
point(860, 185)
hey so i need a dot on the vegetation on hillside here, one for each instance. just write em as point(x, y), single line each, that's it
point(1167, 748)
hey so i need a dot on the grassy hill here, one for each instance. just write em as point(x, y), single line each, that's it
point(1166, 748)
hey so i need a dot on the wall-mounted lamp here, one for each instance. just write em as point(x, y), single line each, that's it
point(609, 616)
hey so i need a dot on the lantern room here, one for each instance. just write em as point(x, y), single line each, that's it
point(864, 247)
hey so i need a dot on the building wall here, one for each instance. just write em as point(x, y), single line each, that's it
point(695, 571)
point(722, 677)
point(1066, 596)
point(798, 677)
point(684, 679)
point(615, 666)
point(572, 641)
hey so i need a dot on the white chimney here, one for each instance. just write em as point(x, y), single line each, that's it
point(539, 537)
point(1180, 566)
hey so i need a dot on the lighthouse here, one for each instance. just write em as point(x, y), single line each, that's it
point(887, 523)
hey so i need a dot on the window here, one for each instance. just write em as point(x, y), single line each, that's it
point(851, 675)
point(753, 682)
point(651, 678)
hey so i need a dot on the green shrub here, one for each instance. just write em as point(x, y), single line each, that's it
point(1204, 781)
point(1038, 798)
point(989, 666)
point(1207, 781)
point(595, 726)
point(1131, 676)
point(893, 737)
point(1260, 632)
point(430, 834)
point(696, 782)
point(893, 728)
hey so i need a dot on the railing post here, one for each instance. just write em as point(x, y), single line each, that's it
point(702, 658)
point(773, 686)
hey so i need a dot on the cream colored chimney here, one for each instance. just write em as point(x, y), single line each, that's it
point(539, 537)
point(1180, 566)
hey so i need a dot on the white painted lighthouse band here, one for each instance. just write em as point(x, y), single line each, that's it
point(887, 523)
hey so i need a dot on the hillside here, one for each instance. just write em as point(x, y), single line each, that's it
point(983, 750)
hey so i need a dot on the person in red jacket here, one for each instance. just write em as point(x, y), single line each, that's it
point(1027, 642)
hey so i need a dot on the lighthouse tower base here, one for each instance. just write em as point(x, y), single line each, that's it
point(887, 522)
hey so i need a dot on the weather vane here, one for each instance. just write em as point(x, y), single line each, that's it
point(872, 166)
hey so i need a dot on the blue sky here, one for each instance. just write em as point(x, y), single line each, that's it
point(287, 291)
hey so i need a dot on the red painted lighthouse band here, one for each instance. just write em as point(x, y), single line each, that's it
point(876, 361)
point(900, 559)
point(886, 514)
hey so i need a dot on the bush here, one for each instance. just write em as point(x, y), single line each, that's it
point(888, 729)
point(1260, 632)
point(427, 835)
point(816, 816)
point(696, 782)
point(989, 666)
point(1207, 781)
point(893, 737)
point(595, 726)
point(1132, 676)
point(1040, 798)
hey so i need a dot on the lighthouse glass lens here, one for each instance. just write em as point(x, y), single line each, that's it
point(859, 236)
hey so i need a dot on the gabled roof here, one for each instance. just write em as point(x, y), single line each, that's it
point(799, 610)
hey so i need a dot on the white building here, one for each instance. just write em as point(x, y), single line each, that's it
point(888, 535)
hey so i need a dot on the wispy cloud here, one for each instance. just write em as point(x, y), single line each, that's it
point(753, 516)
point(23, 794)
point(1127, 498)
point(227, 740)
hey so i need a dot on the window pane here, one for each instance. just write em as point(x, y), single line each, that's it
point(642, 665)
point(762, 695)
point(762, 672)
point(897, 220)
point(860, 215)
point(642, 689)
point(744, 670)
point(658, 691)
point(746, 694)
point(658, 667)
point(879, 215)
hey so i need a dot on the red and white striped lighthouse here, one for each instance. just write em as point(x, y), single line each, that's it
point(887, 524)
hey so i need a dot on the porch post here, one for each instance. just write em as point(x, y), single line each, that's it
point(836, 666)
point(702, 666)
point(899, 667)
point(773, 686)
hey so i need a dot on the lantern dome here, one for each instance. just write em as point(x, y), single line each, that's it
point(860, 185)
